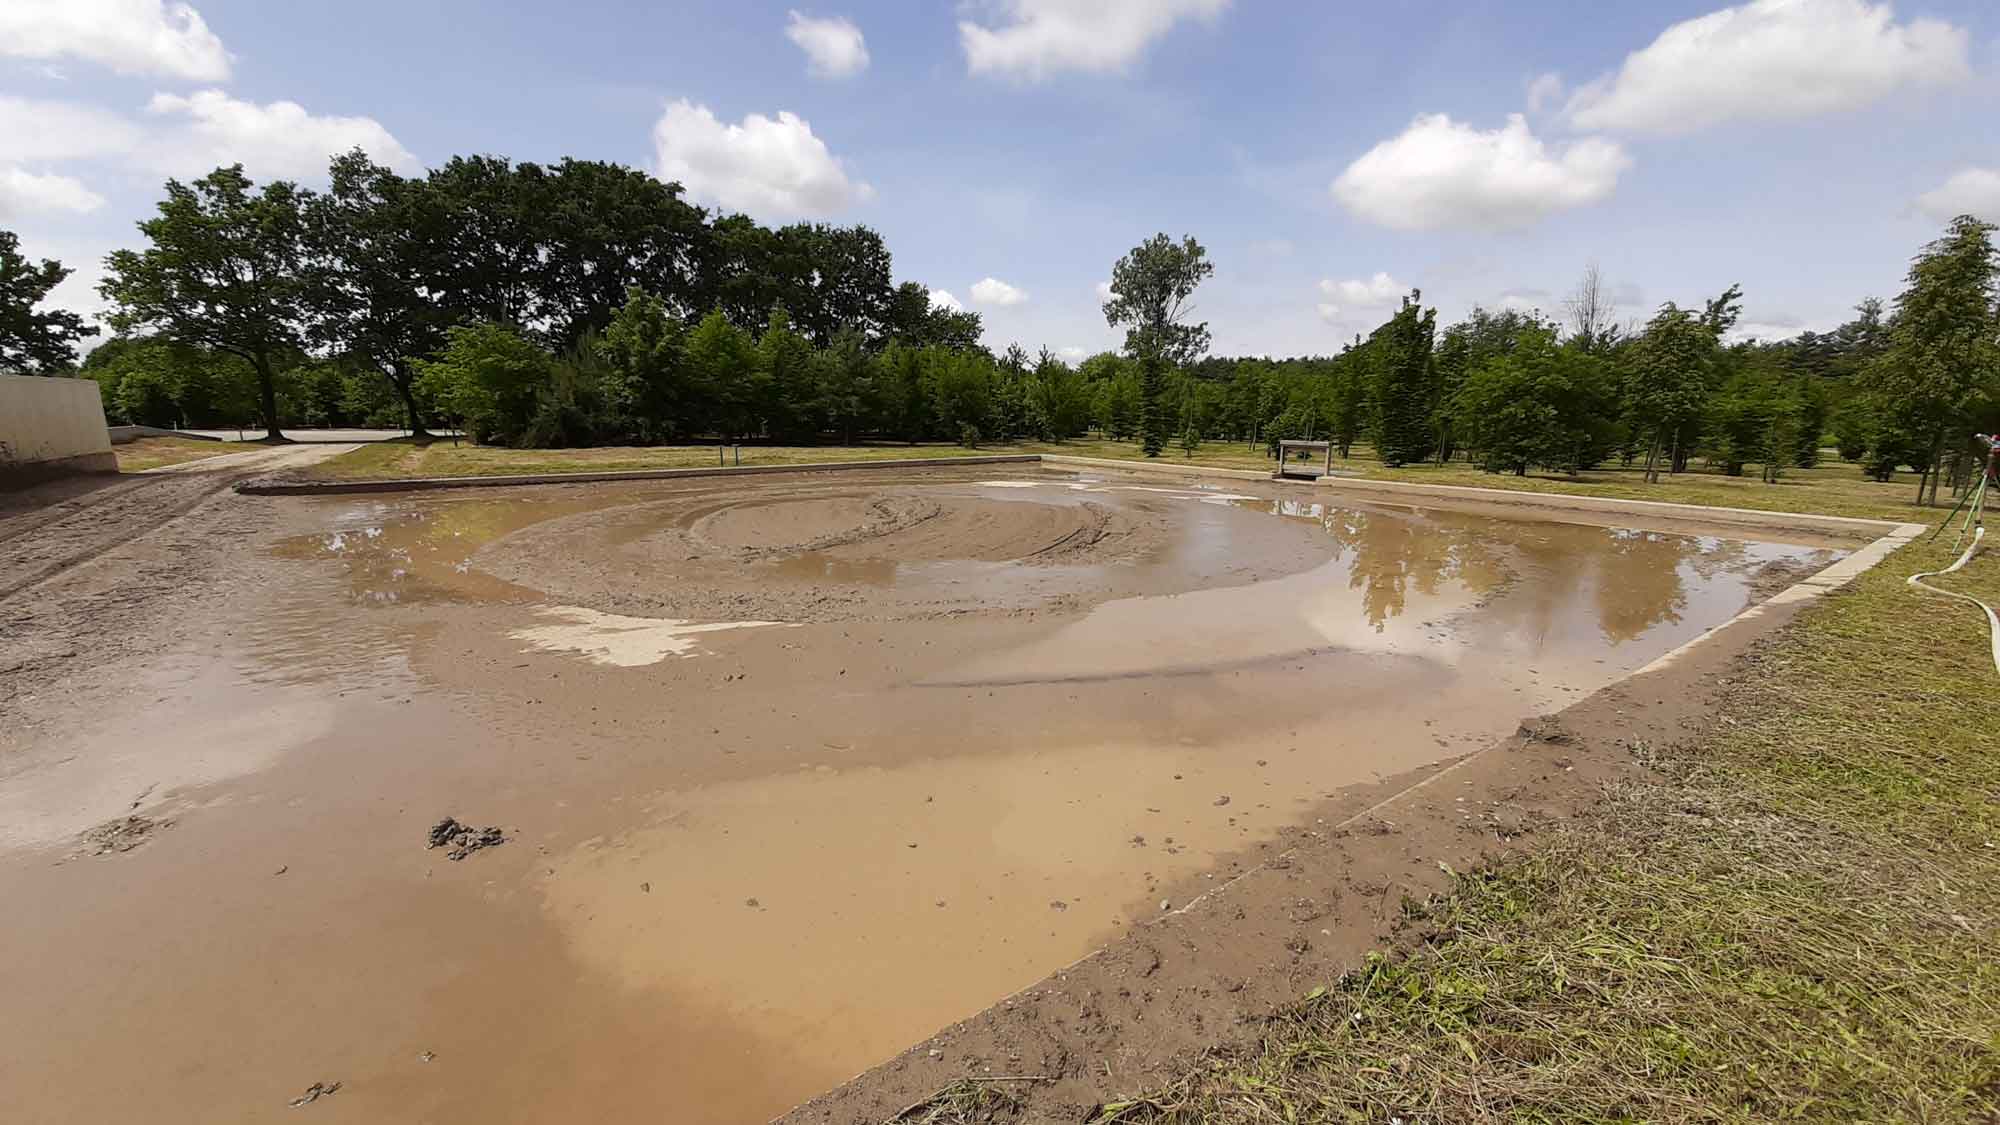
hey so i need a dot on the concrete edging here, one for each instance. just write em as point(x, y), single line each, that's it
point(423, 484)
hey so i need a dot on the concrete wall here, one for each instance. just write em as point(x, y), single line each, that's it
point(52, 426)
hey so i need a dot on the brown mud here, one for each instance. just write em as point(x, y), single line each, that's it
point(791, 772)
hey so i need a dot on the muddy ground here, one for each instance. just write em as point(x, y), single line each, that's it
point(786, 774)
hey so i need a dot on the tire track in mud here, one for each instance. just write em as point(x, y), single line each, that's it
point(39, 545)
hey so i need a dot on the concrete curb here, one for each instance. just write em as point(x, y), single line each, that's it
point(424, 484)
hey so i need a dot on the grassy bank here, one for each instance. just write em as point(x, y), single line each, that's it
point(1798, 920)
point(140, 454)
point(1832, 489)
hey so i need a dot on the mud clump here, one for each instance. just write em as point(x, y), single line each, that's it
point(463, 839)
point(122, 835)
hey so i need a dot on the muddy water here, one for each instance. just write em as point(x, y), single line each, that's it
point(793, 772)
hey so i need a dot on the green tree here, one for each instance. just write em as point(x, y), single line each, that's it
point(1402, 384)
point(1150, 289)
point(369, 253)
point(1665, 377)
point(490, 379)
point(31, 341)
point(1539, 402)
point(722, 371)
point(645, 370)
point(223, 272)
point(1942, 349)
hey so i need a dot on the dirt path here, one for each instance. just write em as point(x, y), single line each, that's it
point(87, 564)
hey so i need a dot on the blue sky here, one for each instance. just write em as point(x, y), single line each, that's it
point(1328, 155)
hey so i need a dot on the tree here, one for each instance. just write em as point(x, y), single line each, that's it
point(1942, 348)
point(1666, 374)
point(1592, 313)
point(33, 341)
point(643, 352)
point(1539, 402)
point(369, 252)
point(223, 272)
point(1402, 385)
point(1150, 288)
point(489, 379)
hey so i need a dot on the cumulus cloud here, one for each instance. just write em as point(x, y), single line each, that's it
point(1973, 191)
point(1104, 290)
point(1544, 90)
point(1771, 60)
point(1378, 290)
point(942, 299)
point(22, 192)
point(1442, 173)
point(37, 130)
point(834, 47)
point(275, 140)
point(129, 36)
point(1033, 39)
point(993, 291)
point(1073, 356)
point(768, 167)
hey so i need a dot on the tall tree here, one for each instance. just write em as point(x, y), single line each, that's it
point(1666, 383)
point(223, 272)
point(1942, 346)
point(1150, 289)
point(1592, 312)
point(369, 252)
point(1403, 382)
point(32, 341)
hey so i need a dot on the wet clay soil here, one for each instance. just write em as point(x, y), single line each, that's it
point(791, 772)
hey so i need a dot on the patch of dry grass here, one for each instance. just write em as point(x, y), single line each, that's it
point(144, 453)
point(1797, 921)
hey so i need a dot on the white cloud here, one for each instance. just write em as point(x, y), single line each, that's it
point(1771, 60)
point(1037, 38)
point(771, 168)
point(1973, 191)
point(993, 291)
point(1524, 301)
point(942, 299)
point(22, 191)
point(129, 36)
point(1440, 173)
point(277, 140)
point(1331, 314)
point(1378, 290)
point(1544, 90)
point(834, 47)
point(1073, 356)
point(1104, 290)
point(37, 130)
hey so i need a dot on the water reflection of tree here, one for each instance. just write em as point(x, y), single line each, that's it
point(1636, 579)
point(1639, 581)
point(1395, 555)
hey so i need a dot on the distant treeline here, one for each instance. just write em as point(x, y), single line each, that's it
point(588, 303)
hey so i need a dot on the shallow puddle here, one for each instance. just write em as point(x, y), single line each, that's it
point(796, 771)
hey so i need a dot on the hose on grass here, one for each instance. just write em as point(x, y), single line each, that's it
point(1992, 619)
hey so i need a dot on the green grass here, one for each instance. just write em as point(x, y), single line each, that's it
point(1832, 489)
point(141, 454)
point(1798, 920)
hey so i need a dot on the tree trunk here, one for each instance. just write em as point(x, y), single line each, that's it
point(405, 386)
point(1927, 476)
point(1653, 461)
point(267, 388)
